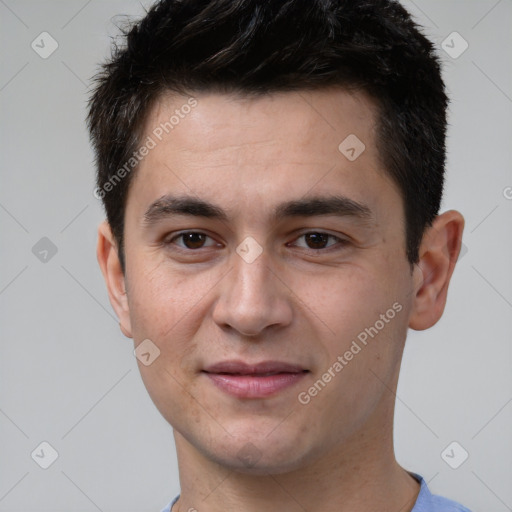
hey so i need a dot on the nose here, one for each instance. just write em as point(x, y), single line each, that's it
point(253, 298)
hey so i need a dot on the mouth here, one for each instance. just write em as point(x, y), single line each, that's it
point(260, 380)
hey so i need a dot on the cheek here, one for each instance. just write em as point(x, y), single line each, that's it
point(164, 307)
point(161, 299)
point(346, 299)
point(366, 316)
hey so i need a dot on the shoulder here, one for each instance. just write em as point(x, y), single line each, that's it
point(169, 505)
point(425, 502)
point(428, 502)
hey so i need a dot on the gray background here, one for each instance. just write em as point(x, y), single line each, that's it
point(67, 374)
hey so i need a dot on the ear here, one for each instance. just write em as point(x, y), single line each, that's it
point(110, 265)
point(438, 255)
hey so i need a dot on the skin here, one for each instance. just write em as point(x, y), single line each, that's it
point(292, 303)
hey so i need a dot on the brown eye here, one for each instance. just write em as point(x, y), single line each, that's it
point(191, 240)
point(319, 241)
point(316, 240)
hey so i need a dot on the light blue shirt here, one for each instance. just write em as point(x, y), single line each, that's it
point(425, 502)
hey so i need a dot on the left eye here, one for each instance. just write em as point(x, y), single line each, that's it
point(192, 240)
point(318, 240)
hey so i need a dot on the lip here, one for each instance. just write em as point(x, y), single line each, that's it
point(259, 380)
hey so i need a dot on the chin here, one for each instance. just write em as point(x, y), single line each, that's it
point(266, 463)
point(256, 455)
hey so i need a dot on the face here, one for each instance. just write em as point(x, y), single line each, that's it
point(268, 267)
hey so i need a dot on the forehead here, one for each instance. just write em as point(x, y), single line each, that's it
point(328, 114)
point(253, 149)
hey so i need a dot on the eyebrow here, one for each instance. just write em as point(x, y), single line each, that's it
point(169, 205)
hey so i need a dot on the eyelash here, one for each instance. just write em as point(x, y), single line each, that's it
point(339, 241)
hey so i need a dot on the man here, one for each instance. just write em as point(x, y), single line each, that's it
point(272, 174)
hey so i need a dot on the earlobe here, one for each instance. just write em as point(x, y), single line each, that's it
point(438, 255)
point(110, 265)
